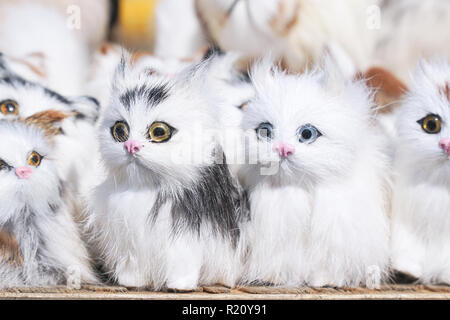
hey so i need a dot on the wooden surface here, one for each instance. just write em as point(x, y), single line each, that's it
point(243, 293)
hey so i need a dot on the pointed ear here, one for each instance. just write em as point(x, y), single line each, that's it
point(388, 88)
point(339, 68)
point(85, 108)
point(261, 73)
point(122, 69)
point(4, 70)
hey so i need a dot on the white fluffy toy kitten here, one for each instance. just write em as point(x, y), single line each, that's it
point(34, 210)
point(162, 219)
point(421, 201)
point(75, 147)
point(317, 188)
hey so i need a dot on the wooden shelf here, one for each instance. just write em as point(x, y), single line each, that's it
point(396, 292)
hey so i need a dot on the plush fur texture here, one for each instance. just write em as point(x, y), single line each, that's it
point(75, 146)
point(35, 211)
point(411, 30)
point(319, 209)
point(295, 31)
point(107, 57)
point(167, 213)
point(421, 200)
point(43, 48)
point(178, 31)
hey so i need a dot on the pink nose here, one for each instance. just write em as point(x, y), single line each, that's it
point(284, 149)
point(24, 172)
point(133, 146)
point(445, 145)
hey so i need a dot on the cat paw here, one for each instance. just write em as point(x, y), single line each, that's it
point(409, 268)
point(187, 283)
point(321, 280)
point(130, 280)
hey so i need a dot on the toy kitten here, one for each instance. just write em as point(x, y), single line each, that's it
point(167, 214)
point(75, 145)
point(316, 180)
point(34, 215)
point(421, 199)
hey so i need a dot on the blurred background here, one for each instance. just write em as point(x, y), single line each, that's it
point(387, 35)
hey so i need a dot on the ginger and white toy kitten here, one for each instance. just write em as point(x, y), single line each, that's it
point(35, 214)
point(316, 181)
point(167, 213)
point(75, 146)
point(421, 199)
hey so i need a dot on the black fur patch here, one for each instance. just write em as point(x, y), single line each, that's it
point(16, 81)
point(215, 199)
point(152, 96)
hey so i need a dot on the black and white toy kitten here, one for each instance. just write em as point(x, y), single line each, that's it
point(167, 213)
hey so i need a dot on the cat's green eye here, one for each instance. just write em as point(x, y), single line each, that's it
point(9, 107)
point(160, 132)
point(34, 159)
point(431, 123)
point(120, 131)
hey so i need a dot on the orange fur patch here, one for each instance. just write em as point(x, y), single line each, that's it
point(47, 120)
point(9, 249)
point(278, 24)
point(389, 88)
point(445, 91)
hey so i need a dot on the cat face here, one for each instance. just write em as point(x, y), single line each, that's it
point(155, 128)
point(311, 125)
point(423, 122)
point(27, 173)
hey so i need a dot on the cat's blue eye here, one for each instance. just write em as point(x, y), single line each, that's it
point(308, 134)
point(265, 131)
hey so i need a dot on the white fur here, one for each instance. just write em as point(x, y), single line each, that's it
point(411, 30)
point(38, 35)
point(178, 31)
point(137, 251)
point(75, 150)
point(106, 59)
point(421, 199)
point(257, 26)
point(320, 217)
point(48, 239)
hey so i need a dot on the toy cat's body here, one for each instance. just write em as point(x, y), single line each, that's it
point(34, 210)
point(161, 218)
point(421, 199)
point(317, 183)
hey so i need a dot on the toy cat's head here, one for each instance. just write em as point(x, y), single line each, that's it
point(305, 128)
point(423, 123)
